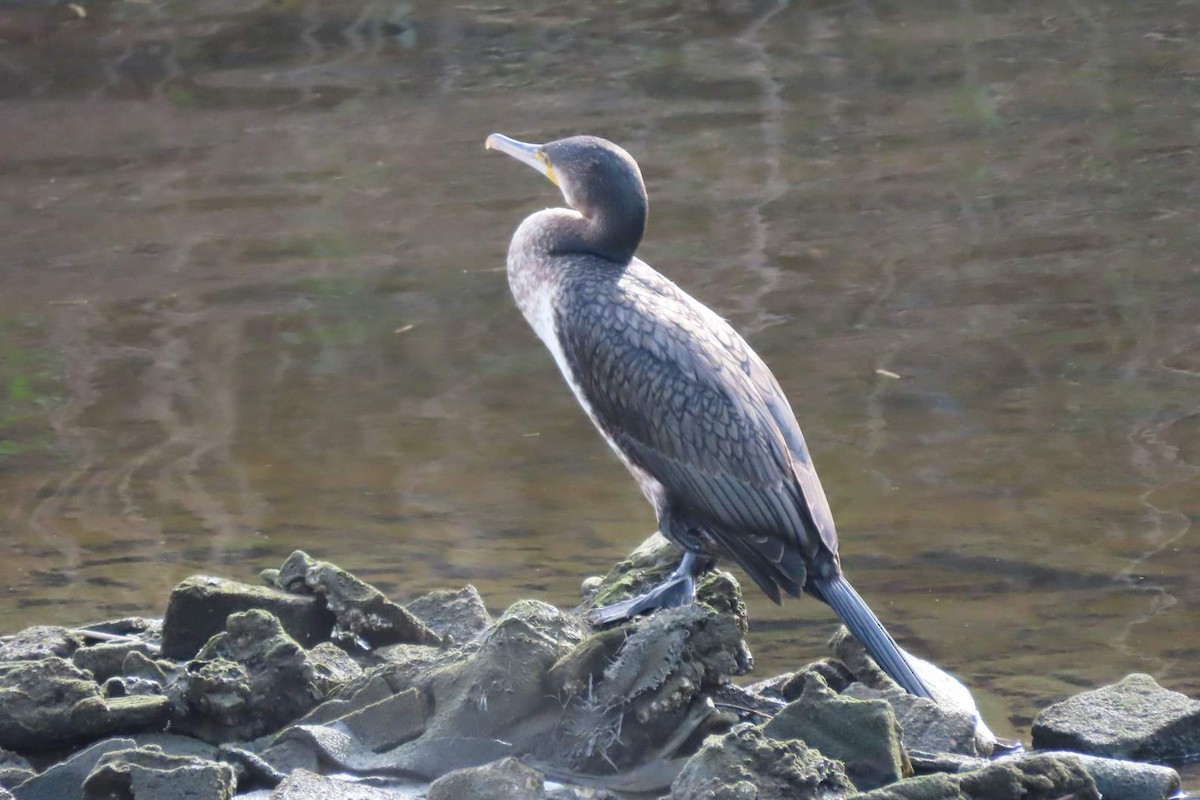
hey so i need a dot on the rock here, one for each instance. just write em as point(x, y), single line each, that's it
point(364, 615)
point(250, 680)
point(107, 659)
point(141, 628)
point(415, 656)
point(748, 705)
point(293, 751)
point(64, 780)
point(252, 769)
point(925, 763)
point(148, 772)
point(482, 702)
point(506, 779)
point(1135, 719)
point(306, 785)
point(13, 769)
point(1127, 780)
point(200, 605)
point(745, 764)
point(1031, 777)
point(173, 744)
point(140, 666)
point(51, 703)
point(132, 714)
point(426, 756)
point(630, 690)
point(332, 667)
point(39, 642)
point(951, 725)
point(862, 734)
point(372, 687)
point(389, 722)
point(502, 683)
point(457, 615)
point(835, 674)
point(925, 727)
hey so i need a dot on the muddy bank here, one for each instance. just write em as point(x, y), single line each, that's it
point(314, 683)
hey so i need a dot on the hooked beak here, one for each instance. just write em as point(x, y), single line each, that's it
point(531, 154)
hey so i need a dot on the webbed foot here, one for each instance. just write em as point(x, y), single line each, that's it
point(679, 589)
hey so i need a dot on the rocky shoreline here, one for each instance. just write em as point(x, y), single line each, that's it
point(315, 684)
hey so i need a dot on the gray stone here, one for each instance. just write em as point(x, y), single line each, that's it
point(746, 764)
point(835, 674)
point(107, 659)
point(51, 703)
point(306, 785)
point(64, 780)
point(132, 714)
point(455, 614)
point(200, 605)
point(476, 704)
point(389, 722)
point(252, 769)
point(247, 681)
point(862, 734)
point(506, 779)
point(951, 725)
point(426, 756)
point(14, 769)
point(38, 642)
point(925, 763)
point(176, 745)
point(630, 690)
point(1128, 780)
point(416, 656)
point(364, 615)
point(292, 752)
point(502, 683)
point(924, 726)
point(1135, 718)
point(359, 693)
point(1032, 777)
point(143, 667)
point(149, 773)
point(331, 667)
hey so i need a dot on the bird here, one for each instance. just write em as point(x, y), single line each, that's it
point(685, 403)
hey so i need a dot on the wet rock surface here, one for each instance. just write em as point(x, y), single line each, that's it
point(149, 772)
point(507, 779)
point(14, 769)
point(1135, 718)
point(1033, 777)
point(200, 605)
point(746, 764)
point(350, 694)
point(862, 734)
point(362, 613)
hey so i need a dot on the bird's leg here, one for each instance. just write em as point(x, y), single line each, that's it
point(679, 589)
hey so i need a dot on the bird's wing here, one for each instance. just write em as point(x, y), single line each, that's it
point(688, 400)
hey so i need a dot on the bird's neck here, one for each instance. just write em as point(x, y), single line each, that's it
point(612, 235)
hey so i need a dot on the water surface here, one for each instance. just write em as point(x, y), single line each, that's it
point(252, 300)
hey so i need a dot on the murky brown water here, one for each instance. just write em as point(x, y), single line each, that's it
point(251, 300)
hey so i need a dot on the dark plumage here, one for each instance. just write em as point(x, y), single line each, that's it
point(689, 408)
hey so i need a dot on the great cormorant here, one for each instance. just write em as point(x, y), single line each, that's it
point(681, 398)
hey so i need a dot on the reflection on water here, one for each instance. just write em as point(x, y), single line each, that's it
point(253, 301)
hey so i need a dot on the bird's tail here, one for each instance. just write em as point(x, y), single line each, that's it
point(869, 631)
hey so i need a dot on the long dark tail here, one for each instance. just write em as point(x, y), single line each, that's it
point(869, 631)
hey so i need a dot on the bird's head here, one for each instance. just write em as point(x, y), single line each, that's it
point(598, 179)
point(592, 173)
